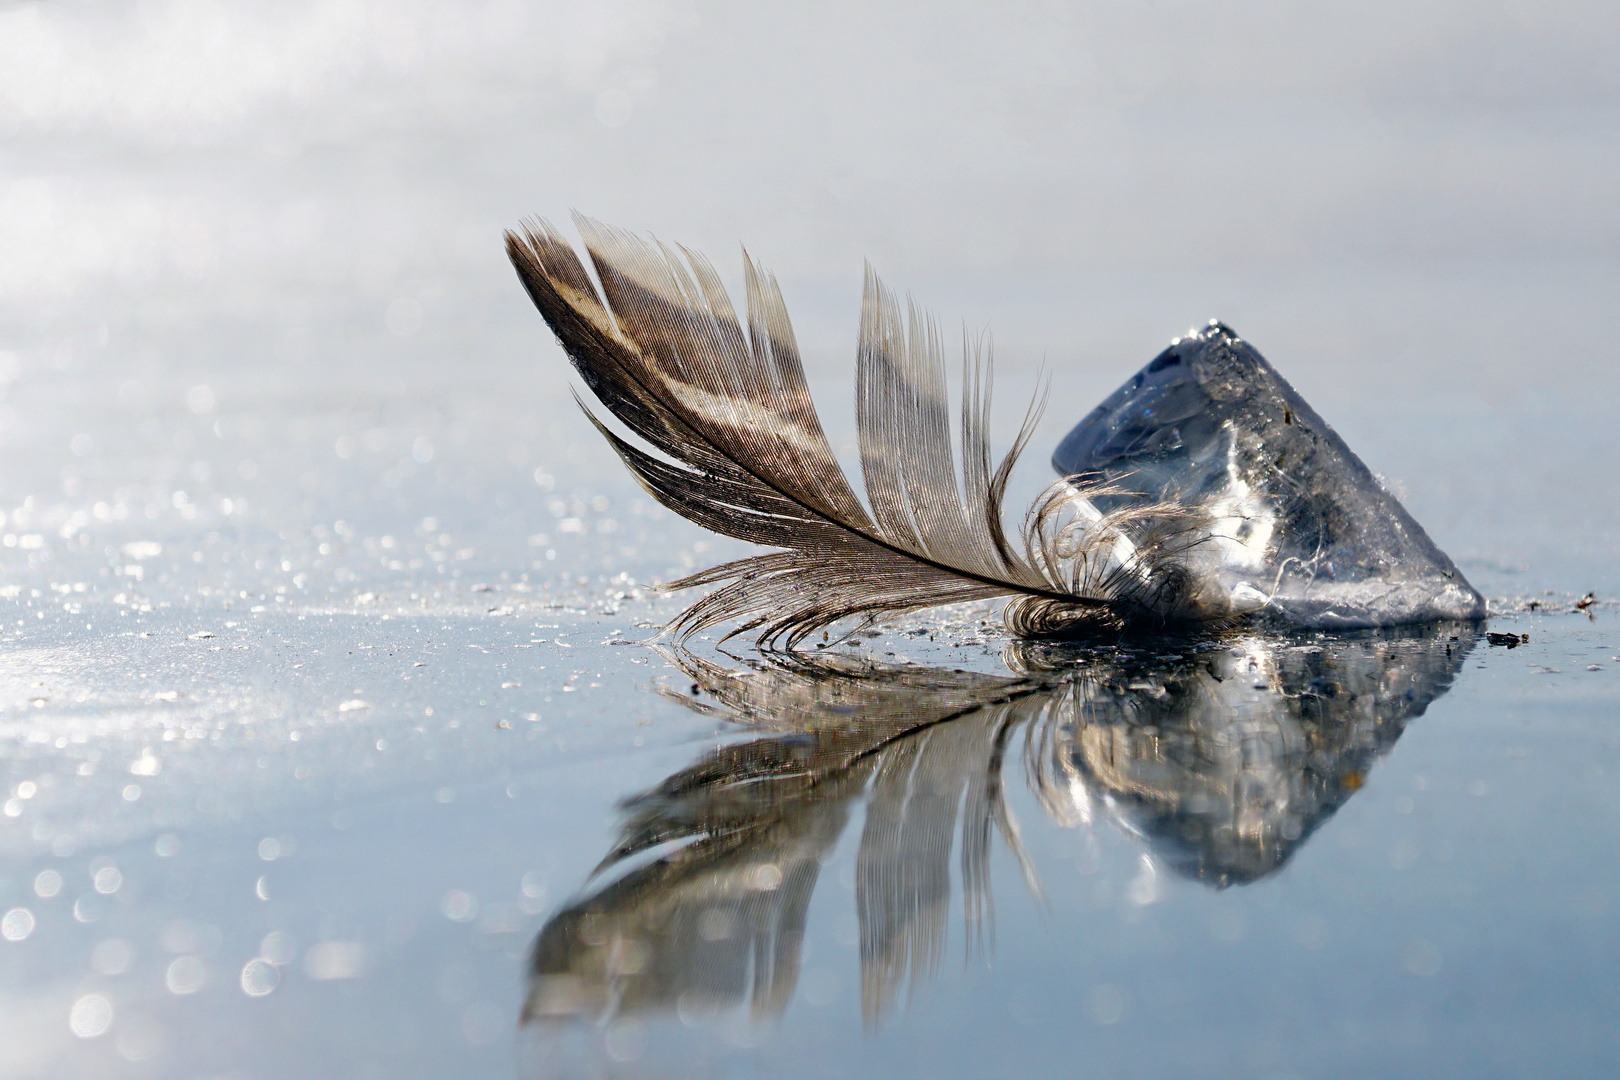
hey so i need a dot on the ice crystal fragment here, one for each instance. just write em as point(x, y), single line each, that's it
point(1295, 530)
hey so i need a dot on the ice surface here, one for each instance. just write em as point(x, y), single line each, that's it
point(1297, 531)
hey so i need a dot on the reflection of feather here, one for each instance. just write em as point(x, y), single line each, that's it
point(728, 406)
point(925, 748)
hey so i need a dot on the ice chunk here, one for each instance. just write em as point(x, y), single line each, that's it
point(1297, 531)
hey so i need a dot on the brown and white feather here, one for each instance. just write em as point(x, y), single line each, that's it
point(737, 447)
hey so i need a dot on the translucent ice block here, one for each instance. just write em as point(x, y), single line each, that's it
point(1297, 531)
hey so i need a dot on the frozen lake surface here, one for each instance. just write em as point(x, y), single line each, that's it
point(332, 746)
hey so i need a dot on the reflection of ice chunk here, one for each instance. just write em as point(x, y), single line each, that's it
point(1226, 765)
point(1295, 528)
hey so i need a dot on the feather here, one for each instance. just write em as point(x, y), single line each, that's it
point(738, 448)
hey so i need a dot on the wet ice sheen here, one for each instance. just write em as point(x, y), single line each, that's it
point(1183, 808)
point(1294, 529)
